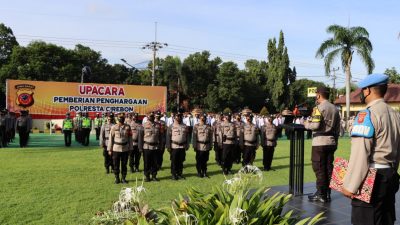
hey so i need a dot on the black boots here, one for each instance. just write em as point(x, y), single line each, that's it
point(117, 180)
point(147, 179)
point(107, 170)
point(155, 178)
point(124, 181)
point(319, 196)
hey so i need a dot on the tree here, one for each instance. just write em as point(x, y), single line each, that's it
point(394, 76)
point(198, 71)
point(346, 41)
point(280, 76)
point(7, 43)
point(255, 84)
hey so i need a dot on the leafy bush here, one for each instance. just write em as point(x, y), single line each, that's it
point(233, 203)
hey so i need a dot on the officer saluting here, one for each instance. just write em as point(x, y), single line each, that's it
point(104, 137)
point(149, 142)
point(325, 125)
point(375, 143)
point(67, 127)
point(177, 144)
point(202, 139)
point(119, 145)
point(23, 128)
point(249, 140)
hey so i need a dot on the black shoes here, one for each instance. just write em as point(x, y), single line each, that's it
point(117, 180)
point(318, 197)
point(107, 170)
point(155, 178)
point(147, 179)
point(174, 177)
point(124, 181)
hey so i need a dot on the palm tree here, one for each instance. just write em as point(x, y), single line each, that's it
point(346, 41)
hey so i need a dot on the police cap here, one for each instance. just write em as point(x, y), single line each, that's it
point(373, 80)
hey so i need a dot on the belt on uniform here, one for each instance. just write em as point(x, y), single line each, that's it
point(203, 142)
point(151, 143)
point(379, 166)
point(230, 138)
point(251, 142)
point(120, 143)
point(178, 143)
point(322, 134)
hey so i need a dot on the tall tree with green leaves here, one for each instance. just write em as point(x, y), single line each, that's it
point(7, 43)
point(346, 41)
point(394, 76)
point(280, 75)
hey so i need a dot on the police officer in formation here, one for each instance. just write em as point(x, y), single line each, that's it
point(149, 143)
point(163, 133)
point(202, 143)
point(3, 128)
point(249, 140)
point(135, 154)
point(23, 126)
point(67, 128)
point(86, 128)
point(177, 144)
point(269, 136)
point(97, 125)
point(325, 124)
point(78, 127)
point(104, 137)
point(217, 149)
point(237, 154)
point(119, 145)
point(227, 142)
point(11, 126)
point(375, 143)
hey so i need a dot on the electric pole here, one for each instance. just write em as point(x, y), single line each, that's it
point(334, 81)
point(154, 46)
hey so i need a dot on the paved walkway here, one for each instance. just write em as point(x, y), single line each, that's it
point(337, 212)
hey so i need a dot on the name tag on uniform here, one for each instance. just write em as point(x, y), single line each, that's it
point(362, 126)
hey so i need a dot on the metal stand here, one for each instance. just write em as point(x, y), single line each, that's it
point(296, 174)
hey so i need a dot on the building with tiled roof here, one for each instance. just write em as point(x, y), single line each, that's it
point(392, 97)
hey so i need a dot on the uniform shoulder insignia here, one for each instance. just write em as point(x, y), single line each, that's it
point(362, 125)
point(316, 115)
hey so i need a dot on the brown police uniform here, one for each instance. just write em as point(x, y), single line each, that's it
point(227, 141)
point(135, 154)
point(120, 143)
point(149, 142)
point(381, 151)
point(202, 139)
point(249, 140)
point(177, 142)
point(325, 125)
point(218, 150)
point(23, 127)
point(161, 149)
point(269, 135)
point(104, 138)
point(239, 149)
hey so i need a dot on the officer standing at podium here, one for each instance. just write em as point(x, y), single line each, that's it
point(325, 124)
point(375, 143)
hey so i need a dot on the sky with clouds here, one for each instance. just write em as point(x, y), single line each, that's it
point(231, 29)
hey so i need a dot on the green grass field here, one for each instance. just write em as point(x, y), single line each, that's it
point(48, 183)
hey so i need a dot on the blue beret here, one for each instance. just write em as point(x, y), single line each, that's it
point(373, 80)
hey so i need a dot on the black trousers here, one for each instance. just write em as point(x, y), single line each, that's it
point(108, 162)
point(249, 154)
point(201, 161)
point(381, 210)
point(218, 154)
point(85, 136)
point(134, 157)
point(67, 137)
point(237, 154)
point(227, 156)
point(23, 136)
point(268, 155)
point(120, 160)
point(160, 156)
point(177, 158)
point(97, 132)
point(322, 162)
point(150, 162)
point(3, 136)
